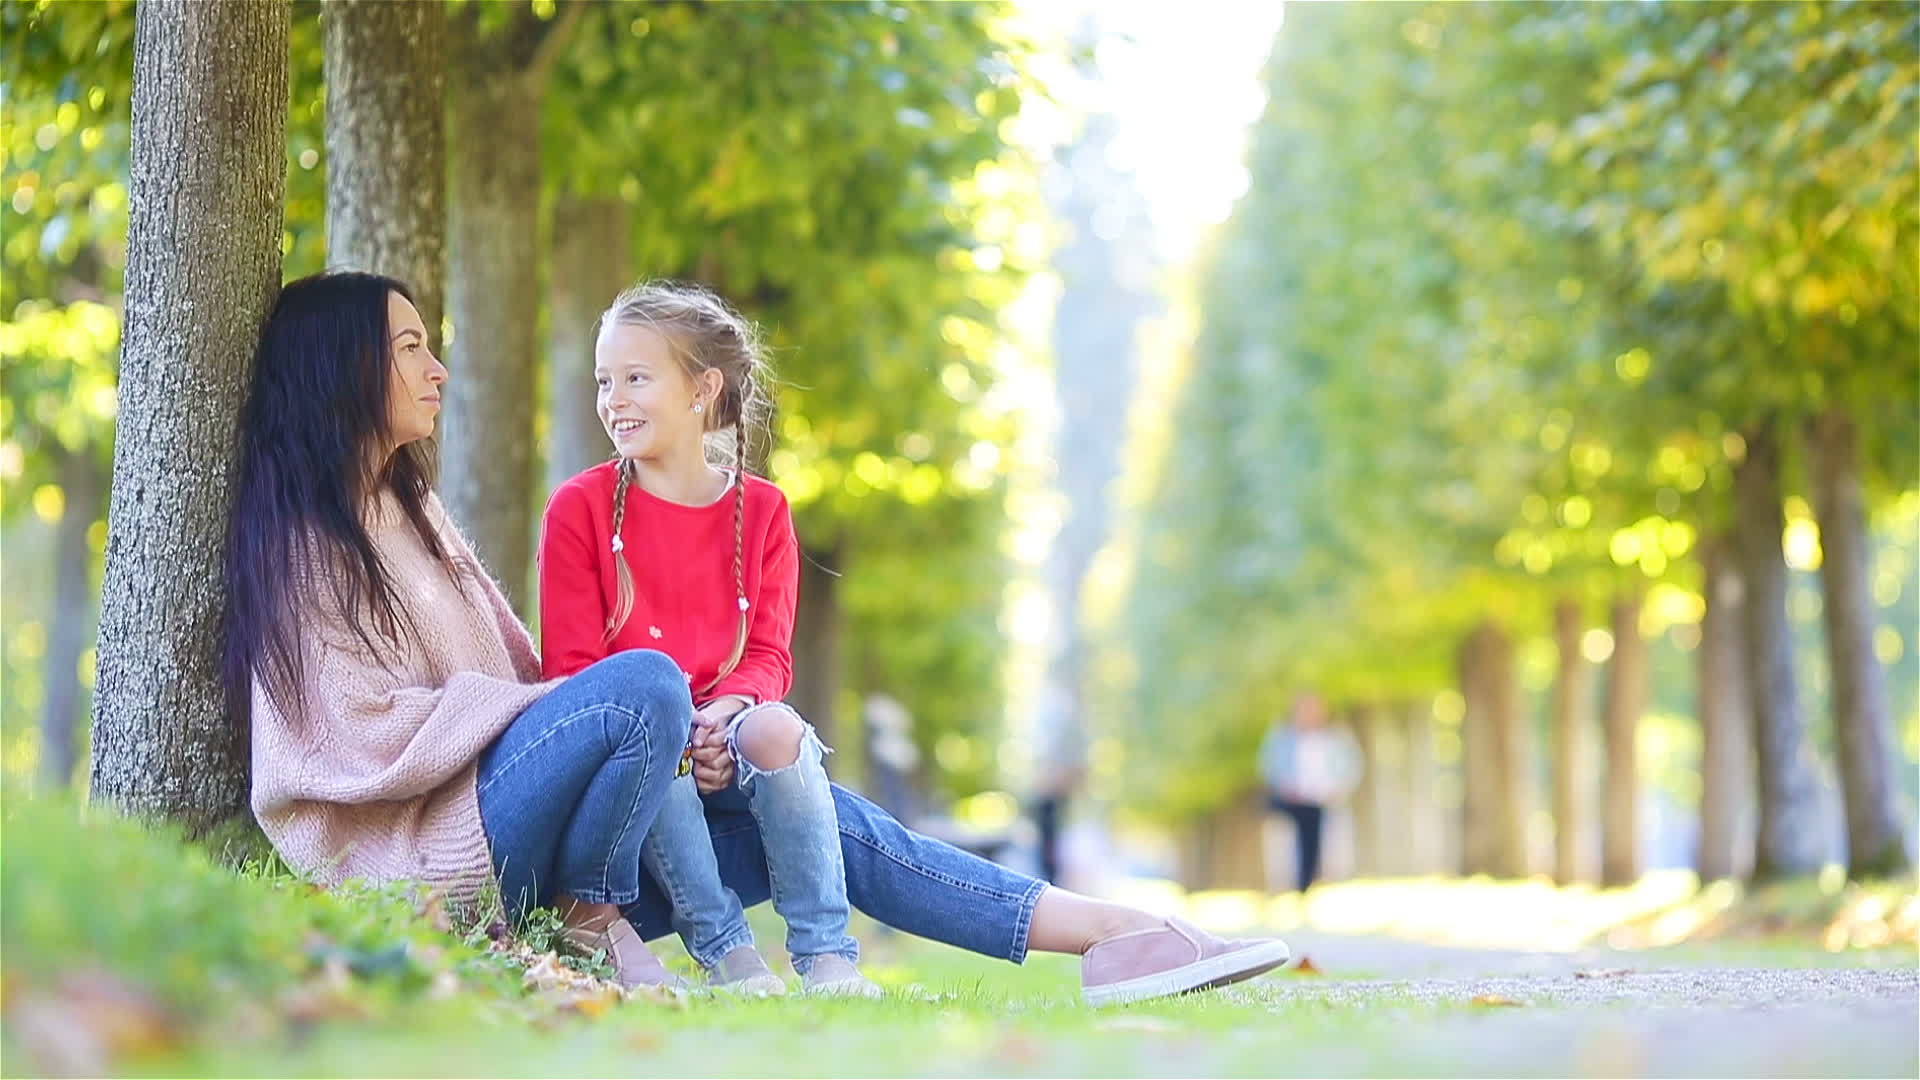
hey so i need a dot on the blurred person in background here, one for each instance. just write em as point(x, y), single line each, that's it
point(1308, 765)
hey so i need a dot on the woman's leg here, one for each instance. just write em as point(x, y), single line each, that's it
point(908, 881)
point(934, 890)
point(568, 792)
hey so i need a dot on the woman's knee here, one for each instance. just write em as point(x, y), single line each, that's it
point(771, 739)
point(653, 691)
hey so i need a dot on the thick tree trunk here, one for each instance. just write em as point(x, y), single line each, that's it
point(1790, 817)
point(1573, 793)
point(592, 262)
point(1726, 752)
point(1626, 703)
point(386, 144)
point(817, 658)
point(203, 264)
point(1862, 723)
point(1425, 829)
point(493, 289)
point(73, 605)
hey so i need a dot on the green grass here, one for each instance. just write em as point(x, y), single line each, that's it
point(127, 951)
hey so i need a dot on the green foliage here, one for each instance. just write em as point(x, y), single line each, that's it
point(1507, 284)
point(101, 893)
point(843, 173)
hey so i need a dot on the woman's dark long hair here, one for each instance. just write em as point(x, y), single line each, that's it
point(310, 470)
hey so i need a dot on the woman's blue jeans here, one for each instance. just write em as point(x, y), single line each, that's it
point(570, 789)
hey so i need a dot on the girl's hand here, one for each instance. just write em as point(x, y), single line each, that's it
point(713, 765)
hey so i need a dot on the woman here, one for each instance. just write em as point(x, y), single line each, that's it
point(399, 729)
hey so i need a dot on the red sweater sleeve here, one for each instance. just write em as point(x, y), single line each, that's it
point(766, 668)
point(573, 608)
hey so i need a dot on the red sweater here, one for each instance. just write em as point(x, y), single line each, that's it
point(684, 602)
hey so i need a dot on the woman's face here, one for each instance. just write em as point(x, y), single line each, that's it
point(413, 396)
point(645, 399)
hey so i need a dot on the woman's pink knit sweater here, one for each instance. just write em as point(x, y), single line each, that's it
point(374, 778)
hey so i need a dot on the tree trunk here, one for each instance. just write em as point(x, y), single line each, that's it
point(1790, 819)
point(1573, 794)
point(386, 145)
point(1726, 753)
point(73, 604)
point(493, 294)
point(1364, 722)
point(817, 658)
point(1494, 756)
point(203, 264)
point(1626, 703)
point(592, 262)
point(1224, 848)
point(1514, 743)
point(1424, 827)
point(1862, 724)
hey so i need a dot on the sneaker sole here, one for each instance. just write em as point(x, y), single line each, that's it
point(846, 988)
point(757, 986)
point(1200, 975)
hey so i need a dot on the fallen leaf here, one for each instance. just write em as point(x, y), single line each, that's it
point(89, 1021)
point(1306, 966)
point(1495, 1001)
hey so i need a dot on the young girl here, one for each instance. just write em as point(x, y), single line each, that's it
point(658, 550)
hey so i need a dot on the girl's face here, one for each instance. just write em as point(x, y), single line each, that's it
point(413, 392)
point(646, 401)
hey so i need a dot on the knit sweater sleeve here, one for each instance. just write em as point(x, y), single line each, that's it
point(573, 611)
point(765, 672)
point(365, 735)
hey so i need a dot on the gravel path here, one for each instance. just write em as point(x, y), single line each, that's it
point(1607, 1013)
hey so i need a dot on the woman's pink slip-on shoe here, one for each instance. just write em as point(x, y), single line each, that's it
point(1171, 959)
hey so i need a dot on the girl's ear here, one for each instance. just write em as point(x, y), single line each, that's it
point(711, 385)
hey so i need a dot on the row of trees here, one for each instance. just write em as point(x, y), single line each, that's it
point(1533, 321)
point(842, 172)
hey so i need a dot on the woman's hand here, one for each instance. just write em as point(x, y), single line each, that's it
point(713, 765)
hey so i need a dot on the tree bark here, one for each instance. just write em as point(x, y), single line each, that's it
point(1515, 749)
point(1626, 703)
point(1425, 828)
point(1789, 829)
point(592, 262)
point(818, 665)
point(1862, 723)
point(1573, 794)
point(82, 484)
point(1726, 753)
point(1496, 758)
point(203, 264)
point(1224, 848)
point(493, 287)
point(386, 145)
point(1367, 825)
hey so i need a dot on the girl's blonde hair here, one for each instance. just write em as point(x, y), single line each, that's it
point(704, 334)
